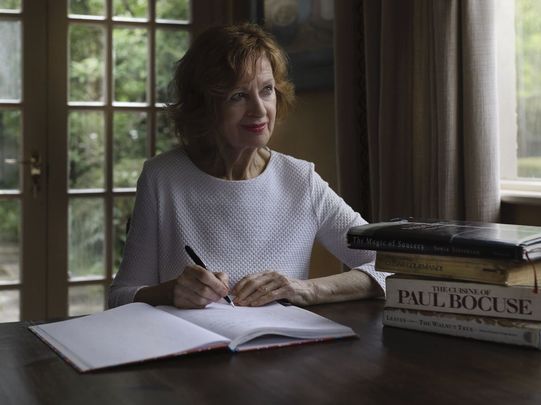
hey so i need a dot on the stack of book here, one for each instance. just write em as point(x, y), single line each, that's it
point(474, 280)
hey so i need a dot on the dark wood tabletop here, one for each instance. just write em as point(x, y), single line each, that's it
point(383, 366)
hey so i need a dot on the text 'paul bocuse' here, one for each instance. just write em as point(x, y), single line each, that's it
point(502, 305)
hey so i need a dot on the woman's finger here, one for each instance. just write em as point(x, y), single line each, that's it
point(268, 284)
point(197, 276)
point(224, 278)
point(186, 298)
point(273, 295)
point(249, 284)
point(198, 287)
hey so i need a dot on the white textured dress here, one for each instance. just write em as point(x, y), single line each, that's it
point(240, 227)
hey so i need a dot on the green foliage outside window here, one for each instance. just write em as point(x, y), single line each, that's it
point(10, 144)
point(130, 130)
point(10, 4)
point(173, 10)
point(528, 63)
point(129, 147)
point(10, 127)
point(87, 62)
point(86, 237)
point(87, 7)
point(130, 65)
point(165, 9)
point(130, 8)
point(121, 214)
point(9, 221)
point(86, 150)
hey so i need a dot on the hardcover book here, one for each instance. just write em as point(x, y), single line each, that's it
point(449, 238)
point(138, 332)
point(500, 330)
point(494, 271)
point(519, 302)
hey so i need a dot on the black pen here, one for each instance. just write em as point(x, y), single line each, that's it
point(199, 262)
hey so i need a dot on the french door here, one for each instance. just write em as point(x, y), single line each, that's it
point(82, 90)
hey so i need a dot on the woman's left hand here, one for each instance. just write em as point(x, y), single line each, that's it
point(261, 288)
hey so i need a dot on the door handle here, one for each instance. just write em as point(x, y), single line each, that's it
point(36, 166)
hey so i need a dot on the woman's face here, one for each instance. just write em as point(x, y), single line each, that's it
point(249, 111)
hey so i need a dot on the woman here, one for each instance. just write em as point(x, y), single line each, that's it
point(251, 214)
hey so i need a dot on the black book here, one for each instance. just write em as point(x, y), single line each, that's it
point(449, 238)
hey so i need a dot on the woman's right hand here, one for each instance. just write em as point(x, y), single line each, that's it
point(197, 287)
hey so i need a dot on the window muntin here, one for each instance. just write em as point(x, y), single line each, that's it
point(118, 84)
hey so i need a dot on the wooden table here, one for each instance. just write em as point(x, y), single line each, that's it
point(384, 366)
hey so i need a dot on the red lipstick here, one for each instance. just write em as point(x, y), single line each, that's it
point(256, 128)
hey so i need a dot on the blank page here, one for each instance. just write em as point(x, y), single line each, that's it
point(126, 334)
point(241, 324)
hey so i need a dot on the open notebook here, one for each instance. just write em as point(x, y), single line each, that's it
point(138, 332)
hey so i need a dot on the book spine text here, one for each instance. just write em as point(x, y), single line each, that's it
point(434, 248)
point(426, 265)
point(463, 298)
point(480, 328)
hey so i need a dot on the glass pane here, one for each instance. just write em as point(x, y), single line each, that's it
point(129, 147)
point(9, 306)
point(86, 151)
point(131, 64)
point(87, 7)
point(86, 237)
point(173, 10)
point(170, 47)
point(123, 207)
point(10, 222)
point(130, 8)
point(528, 63)
point(86, 299)
point(165, 134)
point(10, 149)
point(10, 4)
point(86, 62)
point(10, 57)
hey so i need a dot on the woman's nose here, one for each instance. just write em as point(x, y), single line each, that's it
point(256, 107)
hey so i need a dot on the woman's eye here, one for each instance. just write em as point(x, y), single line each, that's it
point(268, 90)
point(237, 96)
